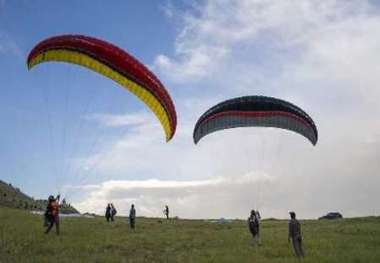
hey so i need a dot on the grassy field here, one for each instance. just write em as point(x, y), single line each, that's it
point(94, 240)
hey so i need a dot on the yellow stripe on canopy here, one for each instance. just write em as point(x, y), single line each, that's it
point(86, 61)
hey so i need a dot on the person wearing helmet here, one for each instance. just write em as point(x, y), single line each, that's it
point(47, 214)
point(295, 234)
point(52, 213)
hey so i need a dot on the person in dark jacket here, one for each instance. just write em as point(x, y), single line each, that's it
point(132, 217)
point(166, 211)
point(108, 212)
point(52, 214)
point(254, 227)
point(295, 235)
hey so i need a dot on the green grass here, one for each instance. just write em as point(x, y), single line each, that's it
point(94, 240)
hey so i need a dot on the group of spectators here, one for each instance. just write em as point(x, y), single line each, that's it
point(110, 212)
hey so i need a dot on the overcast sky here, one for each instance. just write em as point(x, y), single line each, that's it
point(70, 130)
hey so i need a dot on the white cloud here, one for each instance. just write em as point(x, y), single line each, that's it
point(112, 120)
point(186, 198)
point(213, 31)
point(195, 61)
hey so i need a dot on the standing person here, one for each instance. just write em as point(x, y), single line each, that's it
point(254, 228)
point(108, 212)
point(258, 218)
point(166, 211)
point(295, 235)
point(52, 213)
point(113, 212)
point(132, 217)
point(258, 215)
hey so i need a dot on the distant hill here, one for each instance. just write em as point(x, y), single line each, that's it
point(11, 196)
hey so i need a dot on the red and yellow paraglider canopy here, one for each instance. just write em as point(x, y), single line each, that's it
point(114, 63)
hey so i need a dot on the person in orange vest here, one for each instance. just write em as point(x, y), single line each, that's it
point(52, 212)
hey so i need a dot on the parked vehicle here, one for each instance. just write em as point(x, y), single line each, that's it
point(332, 215)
